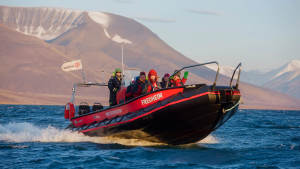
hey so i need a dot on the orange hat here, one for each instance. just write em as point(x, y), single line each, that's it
point(151, 73)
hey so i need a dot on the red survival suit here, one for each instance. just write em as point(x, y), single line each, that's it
point(152, 85)
point(179, 82)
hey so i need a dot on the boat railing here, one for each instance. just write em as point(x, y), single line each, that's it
point(202, 64)
point(238, 78)
point(88, 84)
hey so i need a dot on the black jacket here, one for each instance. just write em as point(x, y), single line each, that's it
point(163, 84)
point(114, 85)
point(114, 82)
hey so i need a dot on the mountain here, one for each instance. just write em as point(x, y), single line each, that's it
point(43, 23)
point(256, 77)
point(39, 40)
point(286, 79)
point(290, 71)
point(27, 66)
point(224, 70)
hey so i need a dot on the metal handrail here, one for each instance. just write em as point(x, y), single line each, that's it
point(238, 79)
point(202, 64)
point(88, 84)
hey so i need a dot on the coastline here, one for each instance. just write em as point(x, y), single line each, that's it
point(242, 107)
point(23, 98)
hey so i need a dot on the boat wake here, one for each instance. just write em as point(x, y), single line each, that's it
point(27, 132)
point(210, 139)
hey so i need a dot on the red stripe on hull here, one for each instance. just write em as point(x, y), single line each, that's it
point(133, 106)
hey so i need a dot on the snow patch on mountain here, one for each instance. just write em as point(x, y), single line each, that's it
point(293, 66)
point(38, 32)
point(104, 20)
point(45, 23)
point(100, 18)
point(117, 38)
point(49, 23)
point(106, 33)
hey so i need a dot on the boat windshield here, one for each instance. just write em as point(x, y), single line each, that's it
point(129, 76)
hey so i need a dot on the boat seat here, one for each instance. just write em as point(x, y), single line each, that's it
point(97, 106)
point(84, 108)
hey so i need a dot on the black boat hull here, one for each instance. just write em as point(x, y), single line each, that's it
point(184, 118)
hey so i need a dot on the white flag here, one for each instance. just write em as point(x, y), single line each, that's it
point(73, 65)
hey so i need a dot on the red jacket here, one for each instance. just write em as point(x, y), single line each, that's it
point(138, 88)
point(152, 86)
point(178, 82)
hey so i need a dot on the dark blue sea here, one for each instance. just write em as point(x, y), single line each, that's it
point(34, 137)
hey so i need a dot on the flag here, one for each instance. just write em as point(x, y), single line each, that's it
point(73, 65)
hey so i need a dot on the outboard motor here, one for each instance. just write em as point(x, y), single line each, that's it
point(97, 107)
point(84, 108)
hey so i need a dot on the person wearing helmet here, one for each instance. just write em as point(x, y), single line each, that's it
point(176, 81)
point(114, 85)
point(152, 84)
point(139, 85)
point(165, 81)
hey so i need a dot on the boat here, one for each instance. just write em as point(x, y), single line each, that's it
point(173, 116)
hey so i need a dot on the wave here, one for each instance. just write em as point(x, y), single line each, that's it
point(27, 132)
point(13, 146)
point(210, 139)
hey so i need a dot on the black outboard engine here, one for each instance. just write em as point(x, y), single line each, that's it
point(97, 107)
point(84, 108)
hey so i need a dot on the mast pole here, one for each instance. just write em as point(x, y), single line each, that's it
point(83, 76)
point(122, 46)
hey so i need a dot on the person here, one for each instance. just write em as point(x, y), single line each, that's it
point(139, 85)
point(152, 84)
point(114, 85)
point(176, 81)
point(165, 81)
point(129, 89)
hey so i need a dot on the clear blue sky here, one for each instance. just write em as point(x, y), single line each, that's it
point(263, 34)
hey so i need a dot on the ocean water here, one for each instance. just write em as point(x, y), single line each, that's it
point(34, 137)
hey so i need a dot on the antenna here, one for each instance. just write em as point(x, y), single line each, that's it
point(82, 70)
point(122, 47)
point(83, 76)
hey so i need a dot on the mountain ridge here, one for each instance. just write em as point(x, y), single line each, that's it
point(39, 60)
point(284, 79)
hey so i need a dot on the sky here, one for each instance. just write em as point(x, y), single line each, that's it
point(262, 34)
